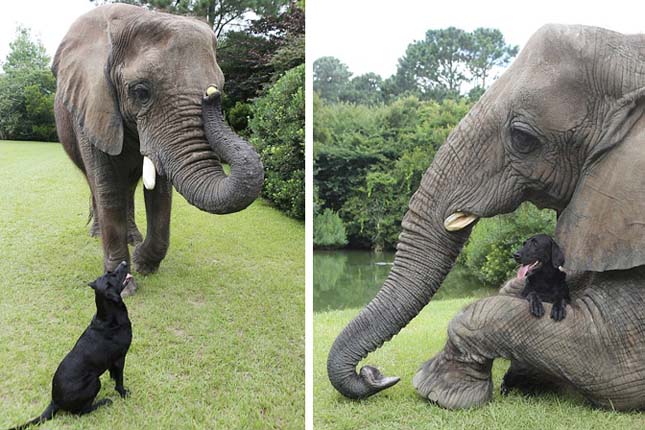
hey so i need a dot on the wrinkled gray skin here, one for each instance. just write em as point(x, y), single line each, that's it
point(598, 349)
point(132, 83)
point(563, 128)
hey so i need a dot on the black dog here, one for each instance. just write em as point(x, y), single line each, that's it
point(101, 347)
point(541, 262)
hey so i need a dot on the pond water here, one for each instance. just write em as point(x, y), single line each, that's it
point(350, 279)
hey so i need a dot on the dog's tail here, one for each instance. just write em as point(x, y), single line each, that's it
point(45, 416)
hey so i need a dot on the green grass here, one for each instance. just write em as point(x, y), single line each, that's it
point(401, 408)
point(218, 332)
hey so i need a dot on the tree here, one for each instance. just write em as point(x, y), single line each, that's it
point(27, 91)
point(331, 78)
point(219, 13)
point(435, 65)
point(254, 58)
point(439, 65)
point(488, 50)
point(25, 53)
point(364, 89)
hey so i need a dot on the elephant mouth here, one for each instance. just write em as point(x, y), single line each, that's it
point(459, 220)
point(526, 269)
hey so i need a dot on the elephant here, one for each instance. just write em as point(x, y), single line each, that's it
point(139, 94)
point(563, 128)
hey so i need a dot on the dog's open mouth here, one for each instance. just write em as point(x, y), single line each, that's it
point(127, 279)
point(526, 269)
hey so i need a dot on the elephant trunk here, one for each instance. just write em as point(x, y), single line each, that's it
point(193, 163)
point(425, 254)
point(244, 183)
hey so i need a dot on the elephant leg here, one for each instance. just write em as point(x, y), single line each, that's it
point(134, 235)
point(148, 255)
point(95, 230)
point(599, 348)
point(110, 193)
point(114, 233)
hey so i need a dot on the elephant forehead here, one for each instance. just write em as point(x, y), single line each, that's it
point(553, 95)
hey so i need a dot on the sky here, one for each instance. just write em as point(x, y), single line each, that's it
point(370, 36)
point(49, 20)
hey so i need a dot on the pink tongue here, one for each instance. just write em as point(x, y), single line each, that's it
point(521, 273)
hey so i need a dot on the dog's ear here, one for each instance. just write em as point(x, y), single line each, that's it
point(557, 256)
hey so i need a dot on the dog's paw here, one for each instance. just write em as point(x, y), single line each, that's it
point(559, 311)
point(122, 392)
point(536, 308)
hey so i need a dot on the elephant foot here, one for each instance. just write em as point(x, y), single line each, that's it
point(454, 383)
point(143, 265)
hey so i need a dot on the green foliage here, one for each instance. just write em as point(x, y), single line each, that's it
point(329, 231)
point(435, 63)
point(238, 116)
point(488, 253)
point(255, 57)
point(27, 91)
point(25, 53)
point(488, 50)
point(278, 126)
point(368, 161)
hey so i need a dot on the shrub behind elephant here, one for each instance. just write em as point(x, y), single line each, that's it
point(563, 128)
point(130, 99)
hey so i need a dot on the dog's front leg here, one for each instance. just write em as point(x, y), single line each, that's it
point(535, 304)
point(558, 311)
point(116, 373)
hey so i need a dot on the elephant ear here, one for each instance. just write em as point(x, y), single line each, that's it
point(603, 226)
point(82, 70)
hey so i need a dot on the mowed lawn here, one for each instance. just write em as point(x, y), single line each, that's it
point(218, 332)
point(401, 408)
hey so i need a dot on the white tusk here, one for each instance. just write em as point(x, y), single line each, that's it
point(149, 174)
point(458, 221)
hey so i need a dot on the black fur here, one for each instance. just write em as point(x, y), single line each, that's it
point(102, 346)
point(545, 282)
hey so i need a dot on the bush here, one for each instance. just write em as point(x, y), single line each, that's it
point(238, 117)
point(278, 126)
point(329, 231)
point(488, 253)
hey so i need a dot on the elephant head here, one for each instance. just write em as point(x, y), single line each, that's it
point(563, 128)
point(131, 75)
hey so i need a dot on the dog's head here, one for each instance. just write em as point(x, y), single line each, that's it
point(112, 283)
point(537, 252)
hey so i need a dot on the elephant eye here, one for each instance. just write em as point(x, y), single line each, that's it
point(523, 141)
point(141, 93)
